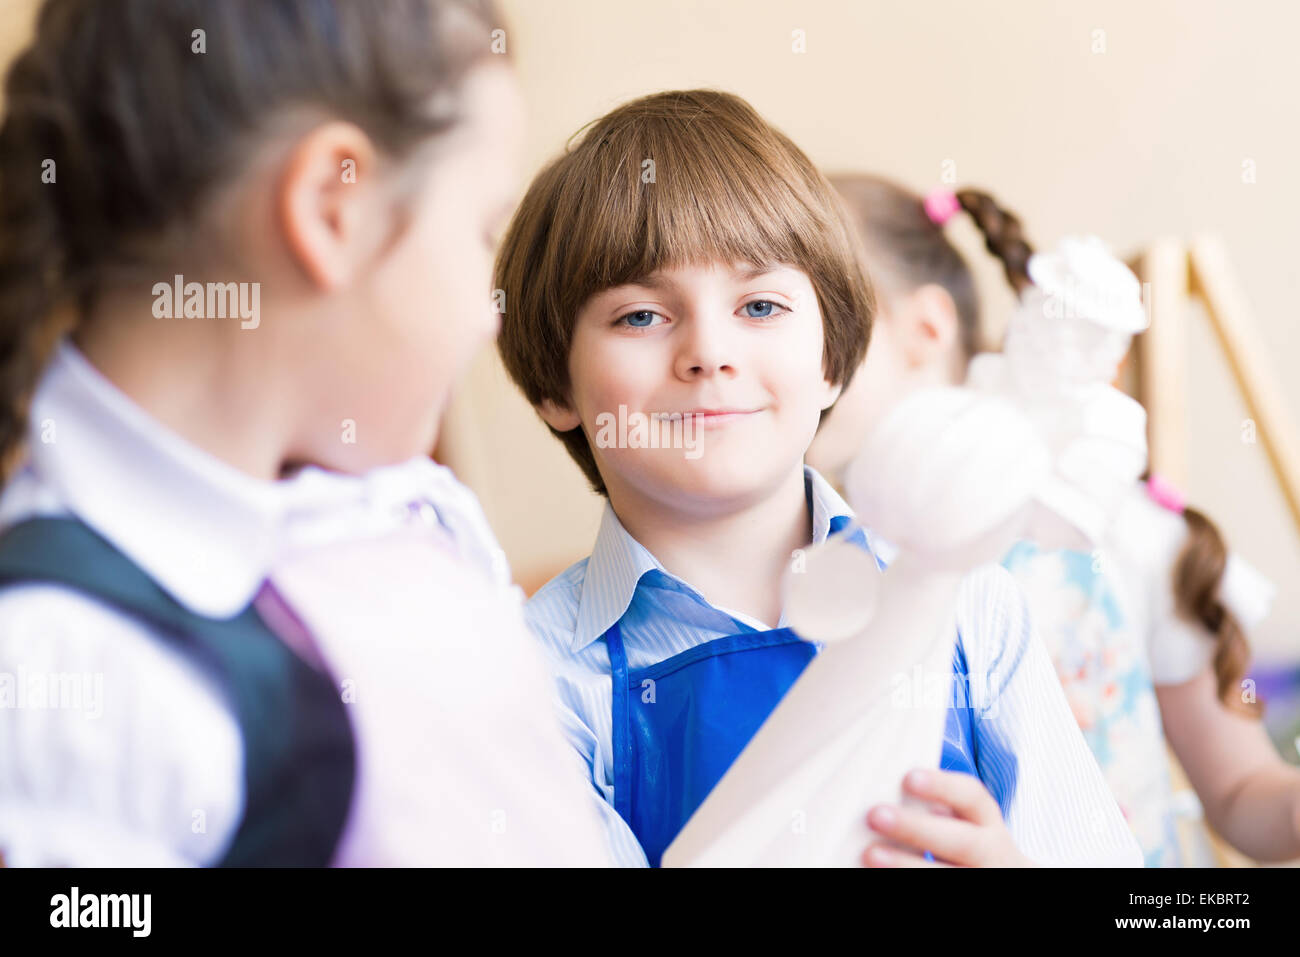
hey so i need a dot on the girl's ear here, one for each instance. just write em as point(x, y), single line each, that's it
point(329, 204)
point(559, 417)
point(927, 327)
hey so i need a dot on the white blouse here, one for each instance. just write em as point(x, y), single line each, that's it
point(116, 750)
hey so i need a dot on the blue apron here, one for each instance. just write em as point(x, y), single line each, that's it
point(678, 725)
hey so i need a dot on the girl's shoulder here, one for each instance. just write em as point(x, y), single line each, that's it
point(104, 725)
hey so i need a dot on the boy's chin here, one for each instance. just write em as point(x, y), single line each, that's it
point(718, 480)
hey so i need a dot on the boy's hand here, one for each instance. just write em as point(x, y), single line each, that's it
point(973, 836)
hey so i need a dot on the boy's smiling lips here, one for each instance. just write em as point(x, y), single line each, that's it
point(711, 418)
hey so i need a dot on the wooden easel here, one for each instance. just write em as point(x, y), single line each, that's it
point(1178, 272)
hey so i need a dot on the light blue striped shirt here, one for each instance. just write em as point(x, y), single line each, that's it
point(1029, 750)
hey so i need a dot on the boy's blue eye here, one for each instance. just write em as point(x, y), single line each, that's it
point(639, 319)
point(760, 309)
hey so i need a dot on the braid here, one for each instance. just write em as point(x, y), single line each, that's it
point(32, 249)
point(906, 250)
point(1197, 576)
point(1003, 235)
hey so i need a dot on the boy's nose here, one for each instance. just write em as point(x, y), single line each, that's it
point(705, 351)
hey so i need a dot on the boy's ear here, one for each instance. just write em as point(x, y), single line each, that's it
point(326, 203)
point(559, 417)
point(926, 326)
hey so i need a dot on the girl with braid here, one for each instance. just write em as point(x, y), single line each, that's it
point(1135, 594)
point(245, 252)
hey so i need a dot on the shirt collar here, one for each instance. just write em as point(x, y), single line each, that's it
point(207, 533)
point(827, 505)
point(618, 561)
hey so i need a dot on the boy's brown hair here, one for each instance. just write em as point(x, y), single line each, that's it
point(668, 180)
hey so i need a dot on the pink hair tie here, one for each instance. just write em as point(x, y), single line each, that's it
point(1163, 492)
point(940, 204)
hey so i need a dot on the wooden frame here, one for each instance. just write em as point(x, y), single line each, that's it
point(1175, 273)
point(1162, 357)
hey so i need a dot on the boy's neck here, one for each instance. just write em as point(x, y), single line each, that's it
point(735, 558)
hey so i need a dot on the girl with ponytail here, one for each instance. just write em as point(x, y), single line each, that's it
point(245, 252)
point(1135, 595)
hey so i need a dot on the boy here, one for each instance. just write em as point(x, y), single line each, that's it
point(685, 262)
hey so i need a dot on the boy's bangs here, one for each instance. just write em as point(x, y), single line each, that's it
point(686, 195)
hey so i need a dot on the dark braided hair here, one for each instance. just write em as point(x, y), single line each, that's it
point(117, 129)
point(1198, 574)
point(913, 252)
point(1003, 235)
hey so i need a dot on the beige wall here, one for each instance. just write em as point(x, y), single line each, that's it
point(1147, 138)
